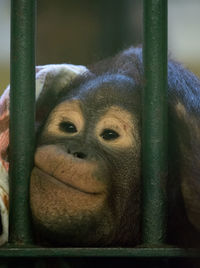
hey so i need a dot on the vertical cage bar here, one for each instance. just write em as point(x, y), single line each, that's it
point(154, 151)
point(22, 101)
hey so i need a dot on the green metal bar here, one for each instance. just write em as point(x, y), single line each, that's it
point(22, 99)
point(154, 122)
point(32, 252)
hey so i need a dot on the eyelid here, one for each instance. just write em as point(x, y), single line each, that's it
point(112, 127)
point(67, 111)
point(108, 124)
point(109, 135)
point(118, 120)
point(73, 119)
point(64, 126)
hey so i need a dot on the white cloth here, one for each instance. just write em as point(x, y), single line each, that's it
point(58, 74)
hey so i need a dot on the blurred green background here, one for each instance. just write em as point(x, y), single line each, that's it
point(84, 31)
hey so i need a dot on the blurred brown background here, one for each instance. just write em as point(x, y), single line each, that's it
point(84, 31)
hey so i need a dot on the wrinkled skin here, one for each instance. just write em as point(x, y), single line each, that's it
point(86, 183)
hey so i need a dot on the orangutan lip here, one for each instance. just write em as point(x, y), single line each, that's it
point(67, 184)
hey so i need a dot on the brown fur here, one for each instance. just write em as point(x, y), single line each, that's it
point(86, 191)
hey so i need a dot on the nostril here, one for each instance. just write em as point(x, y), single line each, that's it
point(79, 155)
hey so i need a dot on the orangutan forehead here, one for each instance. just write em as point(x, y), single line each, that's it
point(76, 110)
point(80, 108)
point(118, 113)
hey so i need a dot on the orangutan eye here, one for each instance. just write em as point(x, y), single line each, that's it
point(109, 134)
point(68, 127)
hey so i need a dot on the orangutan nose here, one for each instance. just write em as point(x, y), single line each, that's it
point(79, 155)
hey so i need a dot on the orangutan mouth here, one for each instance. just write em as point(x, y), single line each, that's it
point(42, 174)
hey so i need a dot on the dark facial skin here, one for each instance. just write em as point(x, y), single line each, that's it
point(86, 183)
point(87, 167)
